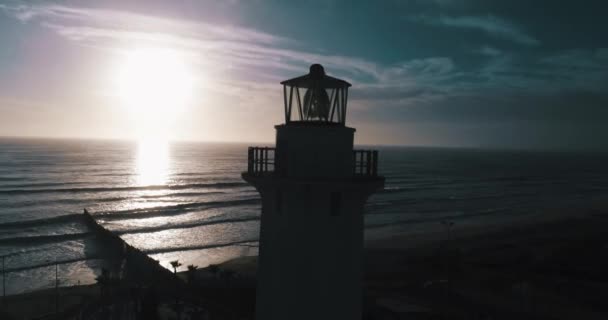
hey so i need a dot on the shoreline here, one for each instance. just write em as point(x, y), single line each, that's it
point(397, 262)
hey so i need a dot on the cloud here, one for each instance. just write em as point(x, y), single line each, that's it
point(579, 69)
point(488, 51)
point(409, 82)
point(245, 66)
point(266, 59)
point(71, 18)
point(489, 24)
point(261, 57)
point(226, 48)
point(100, 25)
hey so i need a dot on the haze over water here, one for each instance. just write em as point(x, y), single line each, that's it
point(187, 201)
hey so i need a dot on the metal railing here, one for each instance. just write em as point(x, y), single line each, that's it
point(365, 163)
point(260, 160)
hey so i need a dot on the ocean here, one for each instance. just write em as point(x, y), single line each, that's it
point(186, 201)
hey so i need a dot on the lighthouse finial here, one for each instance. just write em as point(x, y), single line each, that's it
point(317, 71)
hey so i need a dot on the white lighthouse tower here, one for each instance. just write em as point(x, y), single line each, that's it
point(313, 187)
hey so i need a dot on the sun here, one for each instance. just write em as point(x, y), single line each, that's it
point(155, 86)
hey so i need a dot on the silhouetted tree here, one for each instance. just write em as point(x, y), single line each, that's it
point(103, 280)
point(214, 268)
point(227, 275)
point(191, 273)
point(175, 264)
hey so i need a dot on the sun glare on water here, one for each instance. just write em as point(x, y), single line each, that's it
point(155, 86)
point(152, 162)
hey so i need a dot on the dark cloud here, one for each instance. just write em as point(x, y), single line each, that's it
point(488, 24)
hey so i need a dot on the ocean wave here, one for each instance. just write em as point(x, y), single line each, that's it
point(131, 213)
point(50, 263)
point(409, 188)
point(172, 210)
point(115, 199)
point(200, 247)
point(43, 239)
point(11, 179)
point(251, 242)
point(222, 173)
point(114, 174)
point(434, 219)
point(36, 184)
point(180, 194)
point(436, 199)
point(509, 178)
point(186, 225)
point(46, 221)
point(380, 203)
point(134, 188)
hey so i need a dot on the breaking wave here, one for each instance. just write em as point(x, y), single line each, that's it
point(134, 188)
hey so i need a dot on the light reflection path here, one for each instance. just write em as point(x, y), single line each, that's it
point(152, 162)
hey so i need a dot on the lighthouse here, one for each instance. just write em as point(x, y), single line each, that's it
point(313, 186)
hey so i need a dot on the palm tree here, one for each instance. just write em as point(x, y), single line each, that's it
point(191, 273)
point(175, 264)
point(103, 280)
point(214, 268)
point(227, 275)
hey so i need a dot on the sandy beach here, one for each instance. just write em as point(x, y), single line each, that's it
point(530, 270)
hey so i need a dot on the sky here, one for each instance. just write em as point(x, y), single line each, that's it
point(470, 73)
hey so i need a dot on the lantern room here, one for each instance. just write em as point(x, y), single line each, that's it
point(315, 98)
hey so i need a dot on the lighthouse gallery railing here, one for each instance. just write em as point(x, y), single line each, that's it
point(365, 163)
point(261, 160)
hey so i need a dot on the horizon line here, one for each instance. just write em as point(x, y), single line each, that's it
point(254, 143)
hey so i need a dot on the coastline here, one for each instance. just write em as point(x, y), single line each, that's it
point(413, 265)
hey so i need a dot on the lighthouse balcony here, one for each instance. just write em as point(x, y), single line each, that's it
point(365, 163)
point(261, 162)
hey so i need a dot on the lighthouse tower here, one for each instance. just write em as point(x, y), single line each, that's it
point(313, 187)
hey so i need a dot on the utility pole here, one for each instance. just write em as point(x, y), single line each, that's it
point(56, 289)
point(3, 281)
point(448, 224)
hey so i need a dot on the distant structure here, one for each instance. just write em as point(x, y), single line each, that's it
point(313, 187)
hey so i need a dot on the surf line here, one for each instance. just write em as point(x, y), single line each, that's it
point(132, 265)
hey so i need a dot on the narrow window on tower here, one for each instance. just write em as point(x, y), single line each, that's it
point(335, 200)
point(278, 202)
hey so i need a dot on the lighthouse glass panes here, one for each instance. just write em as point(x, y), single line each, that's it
point(315, 97)
point(315, 103)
